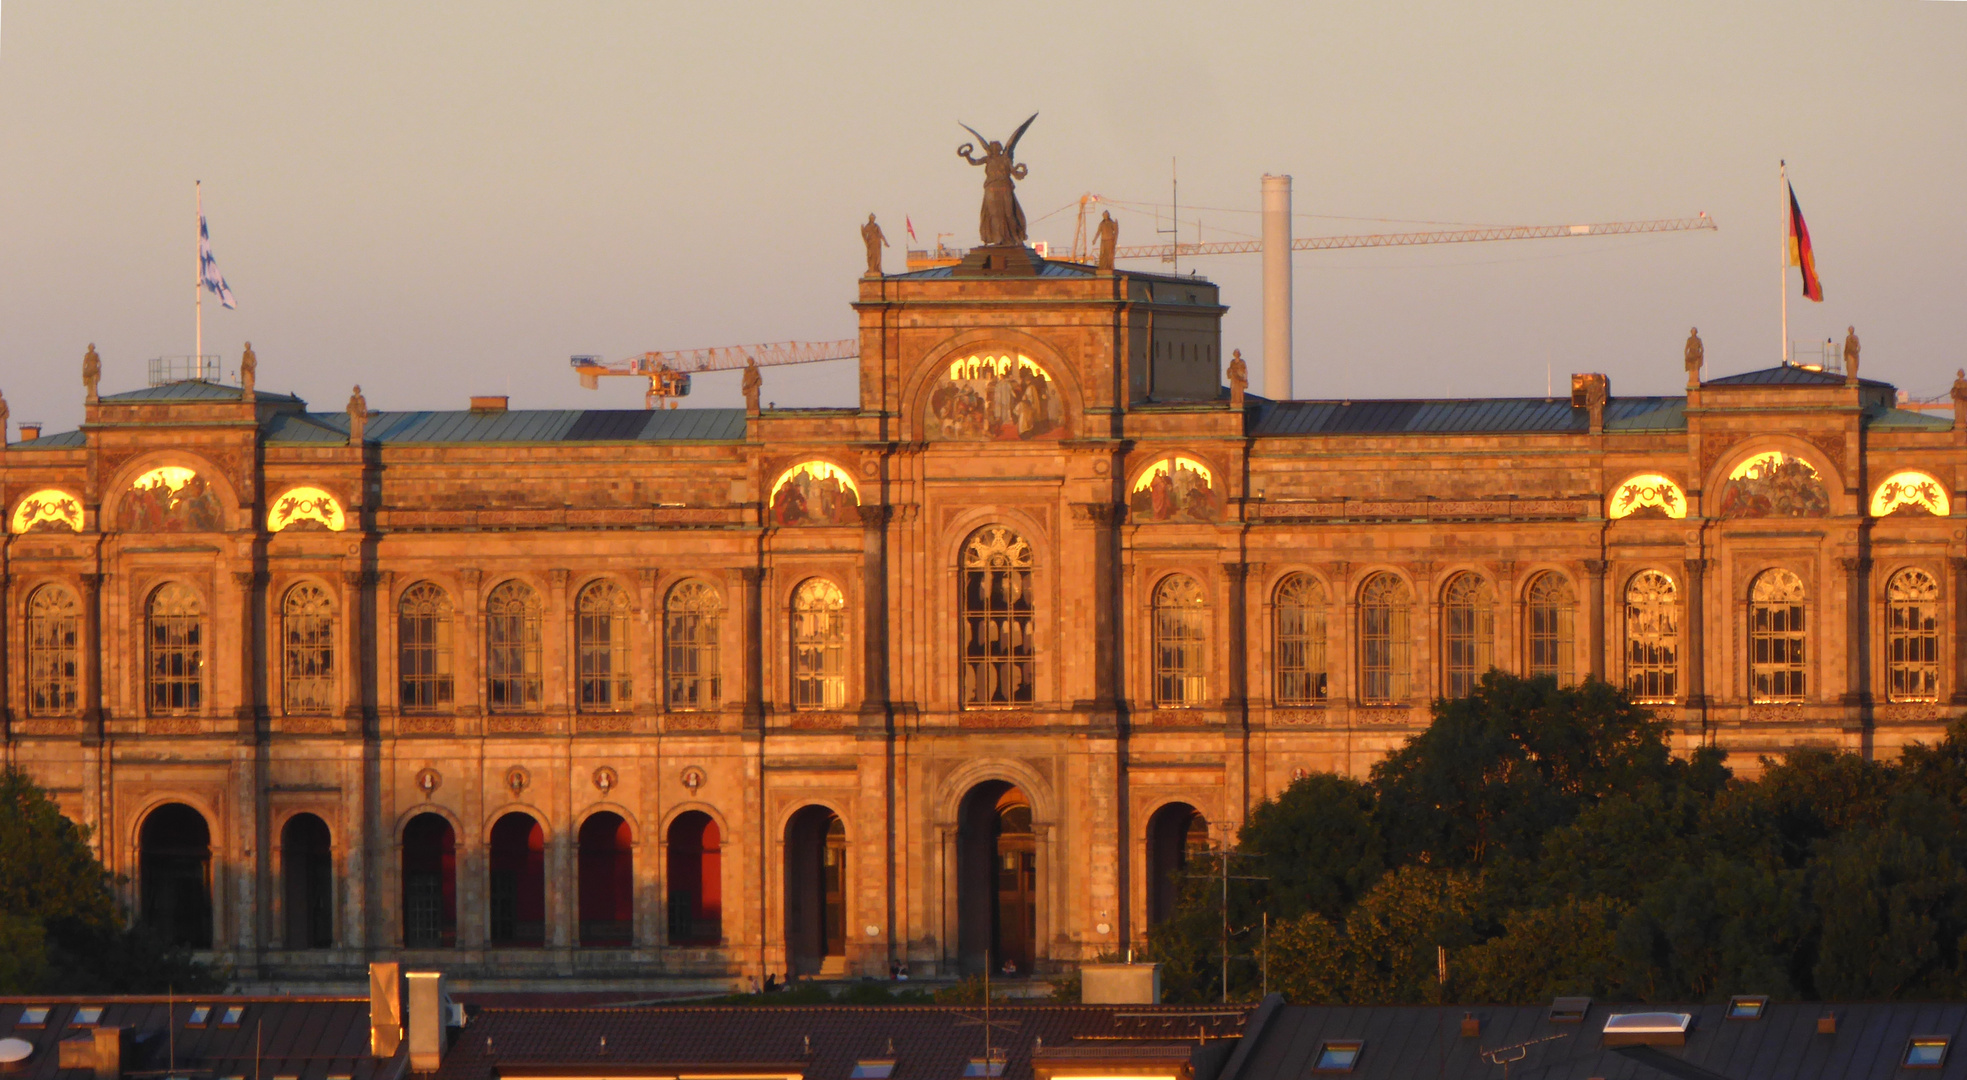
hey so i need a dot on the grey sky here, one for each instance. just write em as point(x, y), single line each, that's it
point(439, 200)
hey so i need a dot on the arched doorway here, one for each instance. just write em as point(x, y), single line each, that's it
point(430, 883)
point(816, 892)
point(518, 865)
point(174, 875)
point(307, 863)
point(1175, 833)
point(696, 880)
point(997, 881)
point(607, 869)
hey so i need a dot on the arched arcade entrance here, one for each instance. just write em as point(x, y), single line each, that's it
point(430, 883)
point(696, 880)
point(1176, 833)
point(307, 865)
point(174, 875)
point(518, 880)
point(815, 893)
point(996, 881)
point(607, 869)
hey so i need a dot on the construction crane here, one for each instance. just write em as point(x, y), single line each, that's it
point(1168, 252)
point(669, 372)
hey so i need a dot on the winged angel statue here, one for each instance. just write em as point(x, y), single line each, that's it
point(1002, 221)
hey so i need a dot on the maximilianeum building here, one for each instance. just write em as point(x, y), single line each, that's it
point(968, 668)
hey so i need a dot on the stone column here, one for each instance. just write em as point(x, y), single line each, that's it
point(1693, 657)
point(1857, 630)
point(556, 647)
point(1595, 582)
point(90, 672)
point(874, 618)
point(1957, 567)
point(353, 679)
point(467, 680)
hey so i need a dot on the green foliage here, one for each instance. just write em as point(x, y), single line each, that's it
point(1546, 837)
point(62, 930)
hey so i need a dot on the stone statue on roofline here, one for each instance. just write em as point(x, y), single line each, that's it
point(1239, 378)
point(1001, 222)
point(1108, 235)
point(358, 416)
point(753, 383)
point(1960, 405)
point(1696, 353)
point(1851, 355)
point(3, 421)
point(249, 367)
point(872, 236)
point(91, 371)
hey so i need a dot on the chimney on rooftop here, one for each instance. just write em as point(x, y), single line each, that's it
point(30, 430)
point(488, 402)
point(429, 1014)
point(100, 1049)
point(385, 1009)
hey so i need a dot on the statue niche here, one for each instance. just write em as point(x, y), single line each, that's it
point(170, 499)
point(996, 397)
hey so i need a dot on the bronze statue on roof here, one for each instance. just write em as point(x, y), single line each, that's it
point(1001, 222)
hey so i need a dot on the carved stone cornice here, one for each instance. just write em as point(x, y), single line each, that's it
point(1596, 567)
point(558, 578)
point(1851, 564)
point(1098, 513)
point(470, 575)
point(875, 517)
point(751, 575)
point(1695, 568)
point(356, 579)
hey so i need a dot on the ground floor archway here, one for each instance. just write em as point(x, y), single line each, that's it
point(1176, 832)
point(518, 881)
point(996, 881)
point(816, 892)
point(174, 875)
point(307, 863)
point(607, 881)
point(430, 883)
point(696, 880)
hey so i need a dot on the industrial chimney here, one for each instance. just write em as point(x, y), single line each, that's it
point(1277, 287)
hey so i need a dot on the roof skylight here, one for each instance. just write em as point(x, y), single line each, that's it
point(1926, 1052)
point(1337, 1055)
point(1747, 1006)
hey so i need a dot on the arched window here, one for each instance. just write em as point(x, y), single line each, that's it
point(692, 624)
point(1652, 638)
point(997, 651)
point(1468, 634)
point(696, 880)
point(1775, 637)
point(176, 662)
point(1298, 641)
point(601, 642)
point(423, 642)
point(430, 883)
point(174, 875)
point(517, 860)
point(1386, 640)
point(1181, 642)
point(54, 634)
point(307, 865)
point(1552, 618)
point(607, 880)
point(819, 646)
point(1912, 636)
point(307, 635)
point(512, 648)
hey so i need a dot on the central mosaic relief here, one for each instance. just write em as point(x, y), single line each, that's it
point(170, 499)
point(1002, 397)
point(815, 493)
point(1774, 484)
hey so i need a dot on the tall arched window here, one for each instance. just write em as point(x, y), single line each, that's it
point(1181, 642)
point(307, 637)
point(1652, 638)
point(692, 623)
point(1552, 617)
point(1468, 634)
point(423, 648)
point(1776, 637)
point(1298, 641)
point(1386, 640)
point(997, 651)
point(512, 648)
point(54, 655)
point(1912, 636)
point(819, 645)
point(601, 645)
point(176, 662)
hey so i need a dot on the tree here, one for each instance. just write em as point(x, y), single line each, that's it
point(62, 929)
point(1317, 844)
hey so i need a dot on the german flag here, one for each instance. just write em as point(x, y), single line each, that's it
point(1800, 254)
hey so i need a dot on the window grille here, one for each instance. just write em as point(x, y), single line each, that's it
point(1468, 634)
point(54, 634)
point(694, 620)
point(819, 646)
point(177, 651)
point(1552, 613)
point(996, 653)
point(1776, 638)
point(1652, 638)
point(1386, 640)
point(1912, 637)
point(1181, 642)
point(601, 647)
point(307, 634)
point(1298, 641)
point(423, 636)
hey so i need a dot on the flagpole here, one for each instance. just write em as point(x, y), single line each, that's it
point(1782, 265)
point(198, 281)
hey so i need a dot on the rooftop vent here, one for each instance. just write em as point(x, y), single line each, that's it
point(30, 430)
point(1747, 1006)
point(1647, 1029)
point(488, 402)
point(1471, 1027)
point(1569, 1010)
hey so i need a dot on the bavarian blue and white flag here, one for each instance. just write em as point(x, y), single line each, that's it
point(208, 269)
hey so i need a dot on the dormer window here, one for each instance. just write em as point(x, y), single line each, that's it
point(1747, 1006)
point(1926, 1052)
point(1337, 1055)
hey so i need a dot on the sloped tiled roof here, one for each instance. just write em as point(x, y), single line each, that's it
point(1443, 416)
point(307, 1038)
point(516, 426)
point(193, 390)
point(1787, 375)
point(929, 1041)
point(61, 440)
